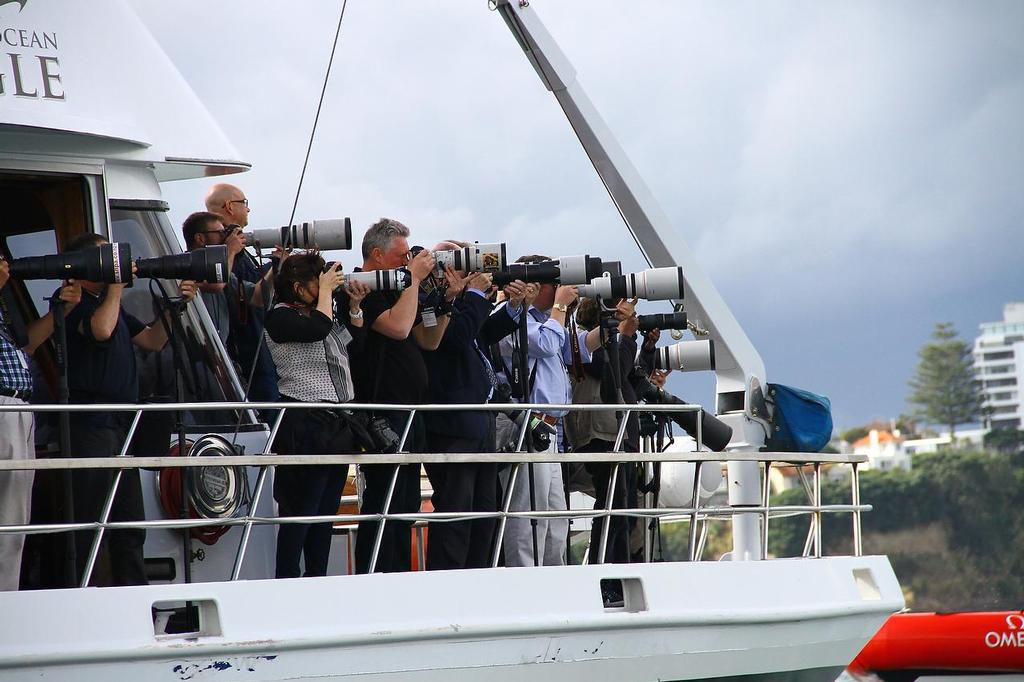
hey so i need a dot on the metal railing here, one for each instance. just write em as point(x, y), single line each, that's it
point(694, 513)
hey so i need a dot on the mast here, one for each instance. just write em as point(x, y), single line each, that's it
point(739, 370)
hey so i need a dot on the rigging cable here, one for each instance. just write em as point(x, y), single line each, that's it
point(295, 205)
point(319, 106)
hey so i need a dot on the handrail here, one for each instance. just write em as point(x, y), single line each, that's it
point(171, 462)
point(376, 407)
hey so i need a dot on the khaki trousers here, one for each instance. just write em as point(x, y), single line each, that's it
point(17, 442)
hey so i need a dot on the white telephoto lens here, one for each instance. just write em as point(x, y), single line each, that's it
point(325, 235)
point(485, 257)
point(382, 280)
point(442, 259)
point(656, 284)
point(687, 356)
point(572, 270)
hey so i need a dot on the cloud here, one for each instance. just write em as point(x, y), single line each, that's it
point(828, 163)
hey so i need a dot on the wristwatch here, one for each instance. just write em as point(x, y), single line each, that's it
point(356, 315)
point(561, 307)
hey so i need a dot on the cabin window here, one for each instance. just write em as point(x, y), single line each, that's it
point(208, 373)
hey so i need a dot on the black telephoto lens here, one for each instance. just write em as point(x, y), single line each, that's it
point(715, 433)
point(209, 264)
point(110, 263)
point(662, 321)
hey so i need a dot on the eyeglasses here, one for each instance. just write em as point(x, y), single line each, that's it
point(240, 201)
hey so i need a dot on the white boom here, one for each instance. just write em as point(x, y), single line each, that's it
point(739, 369)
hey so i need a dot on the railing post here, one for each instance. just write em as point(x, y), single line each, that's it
point(108, 505)
point(766, 492)
point(390, 494)
point(695, 503)
point(613, 480)
point(817, 510)
point(243, 543)
point(499, 537)
point(858, 549)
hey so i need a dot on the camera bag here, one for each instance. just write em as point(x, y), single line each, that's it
point(801, 420)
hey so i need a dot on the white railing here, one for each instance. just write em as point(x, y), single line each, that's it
point(517, 460)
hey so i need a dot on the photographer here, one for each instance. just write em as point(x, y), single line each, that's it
point(311, 352)
point(102, 369)
point(548, 383)
point(390, 369)
point(17, 430)
point(460, 372)
point(202, 229)
point(230, 204)
point(594, 383)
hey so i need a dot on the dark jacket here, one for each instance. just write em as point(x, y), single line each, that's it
point(456, 369)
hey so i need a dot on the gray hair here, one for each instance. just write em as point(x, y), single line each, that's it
point(381, 235)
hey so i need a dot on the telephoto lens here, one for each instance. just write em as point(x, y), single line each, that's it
point(655, 284)
point(208, 264)
point(110, 263)
point(686, 356)
point(662, 321)
point(648, 322)
point(472, 258)
point(564, 270)
point(323, 235)
point(714, 433)
point(398, 279)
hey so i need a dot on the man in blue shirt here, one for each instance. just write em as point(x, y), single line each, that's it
point(549, 352)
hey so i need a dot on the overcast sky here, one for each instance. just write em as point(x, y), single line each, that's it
point(848, 174)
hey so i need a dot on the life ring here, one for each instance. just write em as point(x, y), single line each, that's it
point(214, 492)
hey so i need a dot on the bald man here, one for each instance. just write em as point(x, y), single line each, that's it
point(230, 203)
point(232, 206)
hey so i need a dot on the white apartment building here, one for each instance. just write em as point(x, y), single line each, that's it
point(999, 368)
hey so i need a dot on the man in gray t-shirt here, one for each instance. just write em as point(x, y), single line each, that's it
point(206, 229)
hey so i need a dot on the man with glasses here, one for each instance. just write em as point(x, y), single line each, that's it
point(230, 204)
point(204, 229)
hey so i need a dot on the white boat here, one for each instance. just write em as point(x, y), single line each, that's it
point(86, 137)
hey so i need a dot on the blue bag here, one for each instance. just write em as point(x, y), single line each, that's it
point(802, 421)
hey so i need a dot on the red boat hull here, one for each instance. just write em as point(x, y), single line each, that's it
point(991, 642)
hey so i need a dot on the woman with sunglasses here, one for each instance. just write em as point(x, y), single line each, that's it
point(311, 351)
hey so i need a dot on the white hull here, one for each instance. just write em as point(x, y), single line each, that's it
point(784, 619)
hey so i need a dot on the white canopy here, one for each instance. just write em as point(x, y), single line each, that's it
point(87, 79)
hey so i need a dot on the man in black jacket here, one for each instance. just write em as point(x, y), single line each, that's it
point(460, 373)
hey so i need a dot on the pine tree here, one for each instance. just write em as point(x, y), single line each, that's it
point(944, 387)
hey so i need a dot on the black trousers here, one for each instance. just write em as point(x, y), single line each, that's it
point(308, 490)
point(624, 496)
point(396, 545)
point(124, 548)
point(462, 488)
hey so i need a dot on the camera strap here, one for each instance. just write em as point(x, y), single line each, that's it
point(574, 346)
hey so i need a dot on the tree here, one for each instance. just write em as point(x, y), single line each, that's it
point(1004, 440)
point(943, 386)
